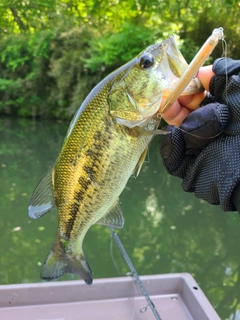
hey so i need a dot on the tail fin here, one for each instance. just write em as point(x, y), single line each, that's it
point(59, 262)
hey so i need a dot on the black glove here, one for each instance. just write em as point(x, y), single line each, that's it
point(205, 150)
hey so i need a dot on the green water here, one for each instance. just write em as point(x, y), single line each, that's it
point(166, 230)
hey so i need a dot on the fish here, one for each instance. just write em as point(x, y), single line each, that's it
point(106, 142)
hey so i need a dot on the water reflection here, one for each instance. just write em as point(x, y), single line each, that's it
point(166, 230)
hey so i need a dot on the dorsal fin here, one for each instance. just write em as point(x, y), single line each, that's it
point(114, 218)
point(42, 199)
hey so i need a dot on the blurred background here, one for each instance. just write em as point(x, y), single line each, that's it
point(51, 54)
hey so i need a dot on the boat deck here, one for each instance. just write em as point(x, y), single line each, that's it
point(175, 296)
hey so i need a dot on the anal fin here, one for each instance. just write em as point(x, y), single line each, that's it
point(114, 218)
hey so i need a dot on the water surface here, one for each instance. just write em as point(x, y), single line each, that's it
point(166, 230)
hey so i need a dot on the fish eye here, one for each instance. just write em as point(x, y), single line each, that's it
point(146, 61)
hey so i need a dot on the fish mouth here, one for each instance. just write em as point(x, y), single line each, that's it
point(195, 86)
point(135, 123)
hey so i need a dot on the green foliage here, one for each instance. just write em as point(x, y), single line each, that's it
point(69, 74)
point(188, 49)
point(23, 67)
point(114, 49)
point(51, 72)
point(53, 52)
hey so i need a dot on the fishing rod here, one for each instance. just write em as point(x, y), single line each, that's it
point(134, 272)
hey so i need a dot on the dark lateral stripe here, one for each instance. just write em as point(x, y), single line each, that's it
point(79, 196)
point(95, 153)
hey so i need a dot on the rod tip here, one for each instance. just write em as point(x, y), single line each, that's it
point(218, 32)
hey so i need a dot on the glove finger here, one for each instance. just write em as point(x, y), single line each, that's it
point(172, 150)
point(223, 66)
point(224, 69)
point(228, 90)
point(215, 173)
point(202, 126)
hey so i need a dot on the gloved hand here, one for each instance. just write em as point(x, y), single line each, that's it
point(205, 150)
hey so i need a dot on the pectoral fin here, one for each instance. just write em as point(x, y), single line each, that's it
point(114, 218)
point(132, 115)
point(141, 161)
point(42, 199)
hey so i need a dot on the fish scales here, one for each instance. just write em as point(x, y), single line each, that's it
point(112, 145)
point(106, 141)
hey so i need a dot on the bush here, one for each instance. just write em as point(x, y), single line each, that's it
point(23, 70)
point(48, 74)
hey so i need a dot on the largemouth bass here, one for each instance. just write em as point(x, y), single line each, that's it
point(106, 142)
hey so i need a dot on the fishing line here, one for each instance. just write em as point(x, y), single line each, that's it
point(134, 272)
point(224, 48)
point(118, 260)
point(195, 135)
point(113, 258)
point(121, 273)
point(199, 137)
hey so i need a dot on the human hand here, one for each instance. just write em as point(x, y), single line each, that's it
point(205, 150)
point(186, 104)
